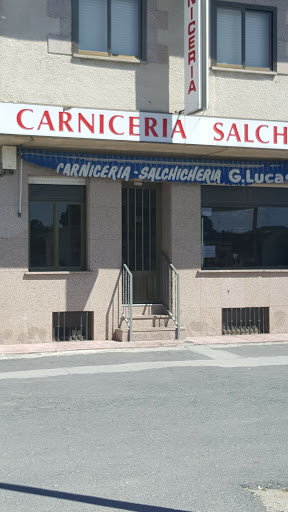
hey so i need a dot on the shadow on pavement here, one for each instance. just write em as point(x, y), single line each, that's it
point(92, 500)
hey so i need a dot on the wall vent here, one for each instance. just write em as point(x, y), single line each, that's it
point(245, 321)
point(72, 325)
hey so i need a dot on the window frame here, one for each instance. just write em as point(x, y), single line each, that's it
point(243, 8)
point(83, 233)
point(142, 29)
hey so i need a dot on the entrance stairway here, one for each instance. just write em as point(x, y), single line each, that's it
point(142, 322)
point(150, 322)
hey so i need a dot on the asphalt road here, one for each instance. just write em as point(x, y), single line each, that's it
point(144, 431)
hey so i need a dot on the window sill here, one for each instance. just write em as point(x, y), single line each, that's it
point(128, 60)
point(231, 272)
point(245, 71)
point(30, 274)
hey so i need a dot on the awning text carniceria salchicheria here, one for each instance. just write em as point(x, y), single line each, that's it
point(127, 168)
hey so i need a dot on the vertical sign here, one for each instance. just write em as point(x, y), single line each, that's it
point(195, 55)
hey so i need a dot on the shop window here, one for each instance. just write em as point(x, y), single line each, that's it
point(110, 27)
point(244, 36)
point(57, 227)
point(244, 228)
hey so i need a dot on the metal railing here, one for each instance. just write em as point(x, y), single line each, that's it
point(170, 283)
point(127, 299)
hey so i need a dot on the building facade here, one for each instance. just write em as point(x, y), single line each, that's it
point(111, 193)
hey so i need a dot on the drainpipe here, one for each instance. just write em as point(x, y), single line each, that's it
point(20, 188)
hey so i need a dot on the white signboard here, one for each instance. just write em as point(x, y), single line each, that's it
point(195, 55)
point(75, 123)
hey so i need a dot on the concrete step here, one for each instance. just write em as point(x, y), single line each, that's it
point(148, 334)
point(146, 321)
point(149, 309)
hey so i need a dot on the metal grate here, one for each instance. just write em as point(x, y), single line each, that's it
point(245, 321)
point(139, 227)
point(72, 325)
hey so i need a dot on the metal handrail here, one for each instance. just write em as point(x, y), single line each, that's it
point(127, 299)
point(170, 280)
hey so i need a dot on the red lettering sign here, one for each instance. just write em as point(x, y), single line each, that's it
point(277, 134)
point(111, 125)
point(82, 119)
point(257, 133)
point(150, 124)
point(246, 133)
point(192, 55)
point(19, 119)
point(218, 131)
point(133, 126)
point(178, 128)
point(234, 133)
point(64, 120)
point(46, 121)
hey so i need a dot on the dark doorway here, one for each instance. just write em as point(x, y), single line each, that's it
point(141, 231)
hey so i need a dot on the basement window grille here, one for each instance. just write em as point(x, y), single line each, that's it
point(72, 325)
point(245, 321)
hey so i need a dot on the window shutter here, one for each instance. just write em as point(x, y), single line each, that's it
point(93, 25)
point(229, 36)
point(257, 39)
point(125, 27)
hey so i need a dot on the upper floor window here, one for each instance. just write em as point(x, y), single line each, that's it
point(110, 27)
point(244, 36)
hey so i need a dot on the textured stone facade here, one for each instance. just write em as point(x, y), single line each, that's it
point(38, 67)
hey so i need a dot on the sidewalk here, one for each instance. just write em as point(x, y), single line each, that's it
point(74, 346)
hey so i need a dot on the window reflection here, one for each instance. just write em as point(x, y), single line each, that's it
point(69, 229)
point(41, 234)
point(245, 237)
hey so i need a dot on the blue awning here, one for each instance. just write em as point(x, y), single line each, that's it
point(221, 172)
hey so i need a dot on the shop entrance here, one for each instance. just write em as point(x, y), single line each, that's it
point(141, 233)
